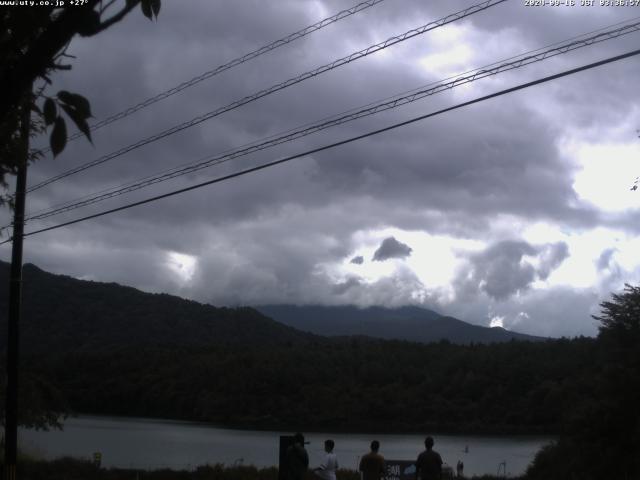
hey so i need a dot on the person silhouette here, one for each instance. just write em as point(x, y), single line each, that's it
point(297, 459)
point(372, 464)
point(429, 463)
point(327, 470)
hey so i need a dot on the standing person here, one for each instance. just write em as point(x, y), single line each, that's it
point(327, 471)
point(297, 459)
point(429, 463)
point(372, 464)
point(459, 468)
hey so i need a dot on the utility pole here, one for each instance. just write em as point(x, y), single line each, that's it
point(15, 299)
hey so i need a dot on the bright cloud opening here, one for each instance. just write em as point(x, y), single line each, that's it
point(434, 259)
point(497, 321)
point(607, 174)
point(182, 265)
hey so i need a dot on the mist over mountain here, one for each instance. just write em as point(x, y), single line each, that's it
point(406, 323)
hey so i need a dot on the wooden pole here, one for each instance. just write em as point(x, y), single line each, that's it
point(15, 300)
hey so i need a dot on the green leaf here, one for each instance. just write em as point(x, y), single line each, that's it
point(79, 120)
point(77, 102)
point(64, 96)
point(155, 7)
point(145, 5)
point(89, 24)
point(50, 111)
point(58, 138)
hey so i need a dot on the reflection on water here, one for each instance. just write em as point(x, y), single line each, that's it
point(151, 444)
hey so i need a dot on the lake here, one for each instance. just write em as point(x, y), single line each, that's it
point(152, 444)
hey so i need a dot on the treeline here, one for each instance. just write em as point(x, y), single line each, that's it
point(351, 385)
point(601, 440)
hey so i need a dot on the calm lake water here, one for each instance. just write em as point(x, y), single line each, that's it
point(152, 444)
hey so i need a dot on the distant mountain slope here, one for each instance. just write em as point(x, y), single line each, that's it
point(61, 313)
point(405, 323)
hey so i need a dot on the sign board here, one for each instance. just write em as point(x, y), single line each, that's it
point(400, 470)
point(406, 470)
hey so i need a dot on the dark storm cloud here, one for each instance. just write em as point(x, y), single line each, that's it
point(391, 248)
point(496, 166)
point(609, 270)
point(344, 287)
point(502, 269)
point(358, 260)
point(605, 258)
point(550, 258)
point(472, 168)
point(401, 288)
point(499, 270)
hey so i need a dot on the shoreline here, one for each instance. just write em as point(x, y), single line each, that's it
point(72, 468)
point(142, 443)
point(482, 433)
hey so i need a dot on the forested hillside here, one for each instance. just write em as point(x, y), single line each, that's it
point(353, 385)
point(61, 313)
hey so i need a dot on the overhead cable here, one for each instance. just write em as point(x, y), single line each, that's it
point(395, 102)
point(336, 144)
point(232, 63)
point(277, 87)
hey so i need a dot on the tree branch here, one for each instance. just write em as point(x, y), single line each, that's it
point(106, 7)
point(56, 35)
point(36, 59)
point(117, 17)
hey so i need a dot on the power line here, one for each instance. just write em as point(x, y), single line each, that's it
point(342, 142)
point(277, 87)
point(353, 114)
point(232, 63)
point(532, 56)
point(497, 68)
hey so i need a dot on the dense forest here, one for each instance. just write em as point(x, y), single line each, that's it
point(353, 385)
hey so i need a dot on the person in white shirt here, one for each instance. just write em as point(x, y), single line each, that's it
point(327, 471)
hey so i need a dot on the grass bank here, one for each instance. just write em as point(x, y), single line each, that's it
point(76, 469)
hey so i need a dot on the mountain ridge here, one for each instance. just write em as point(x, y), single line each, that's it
point(411, 323)
point(64, 313)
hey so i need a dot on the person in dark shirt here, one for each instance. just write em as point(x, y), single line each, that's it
point(297, 459)
point(429, 463)
point(372, 464)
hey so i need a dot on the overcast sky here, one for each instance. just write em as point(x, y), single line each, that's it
point(516, 211)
